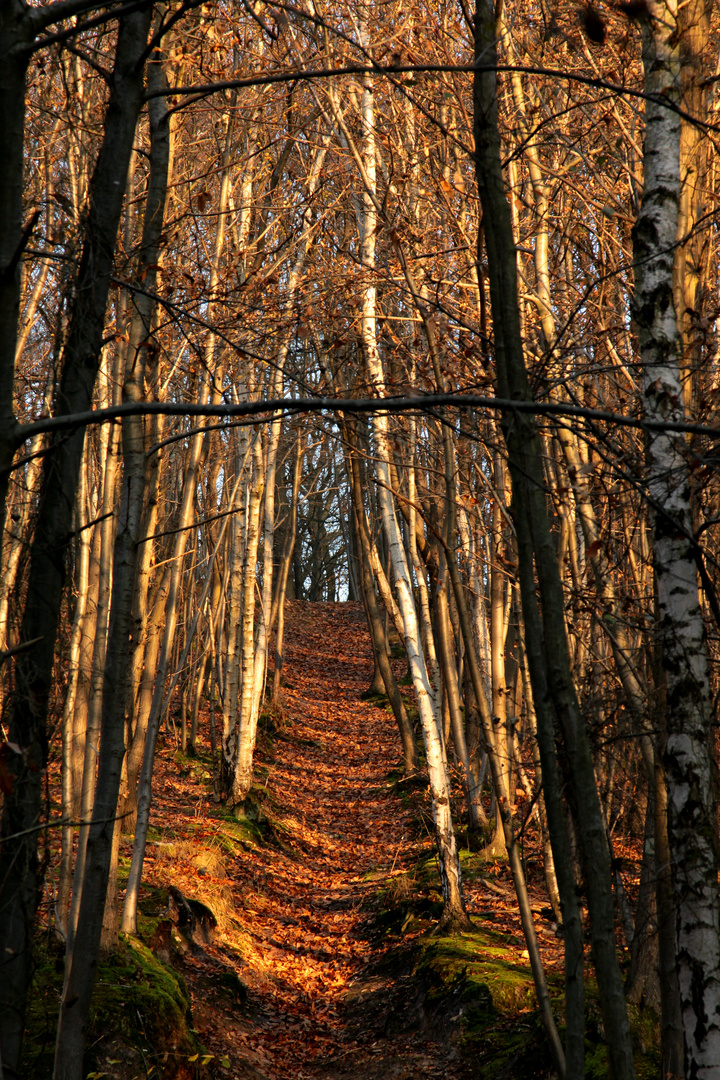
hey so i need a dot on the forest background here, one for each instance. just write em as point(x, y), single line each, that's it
point(409, 304)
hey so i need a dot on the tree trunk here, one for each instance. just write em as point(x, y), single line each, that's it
point(450, 680)
point(16, 33)
point(688, 757)
point(70, 735)
point(248, 715)
point(454, 915)
point(21, 809)
point(284, 574)
point(530, 512)
point(374, 615)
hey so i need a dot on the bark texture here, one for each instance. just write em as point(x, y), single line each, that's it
point(19, 880)
point(688, 756)
point(553, 679)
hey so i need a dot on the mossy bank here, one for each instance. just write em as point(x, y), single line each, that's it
point(140, 1018)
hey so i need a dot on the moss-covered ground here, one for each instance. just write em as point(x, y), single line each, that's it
point(140, 1018)
point(475, 990)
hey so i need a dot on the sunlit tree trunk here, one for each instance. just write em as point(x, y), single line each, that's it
point(140, 675)
point(454, 909)
point(72, 739)
point(284, 573)
point(109, 449)
point(275, 389)
point(374, 615)
point(234, 554)
point(248, 711)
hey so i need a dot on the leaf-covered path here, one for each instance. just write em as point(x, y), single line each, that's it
point(330, 779)
point(303, 907)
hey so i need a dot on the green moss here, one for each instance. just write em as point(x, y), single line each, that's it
point(42, 1011)
point(139, 1015)
point(134, 976)
point(256, 823)
point(473, 988)
point(645, 1032)
point(645, 1029)
point(478, 968)
point(469, 990)
point(508, 1049)
point(240, 828)
point(381, 701)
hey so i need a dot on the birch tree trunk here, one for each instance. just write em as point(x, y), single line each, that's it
point(264, 627)
point(688, 754)
point(454, 908)
point(278, 612)
point(249, 706)
point(374, 616)
point(234, 564)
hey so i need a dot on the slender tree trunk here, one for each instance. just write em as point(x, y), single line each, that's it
point(499, 778)
point(140, 675)
point(688, 754)
point(13, 540)
point(265, 621)
point(454, 914)
point(284, 573)
point(21, 809)
point(16, 32)
point(94, 661)
point(70, 735)
point(530, 512)
point(247, 720)
point(234, 562)
point(374, 615)
point(450, 680)
point(671, 1016)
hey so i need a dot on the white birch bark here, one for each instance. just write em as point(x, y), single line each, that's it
point(367, 217)
point(688, 756)
point(234, 561)
point(247, 721)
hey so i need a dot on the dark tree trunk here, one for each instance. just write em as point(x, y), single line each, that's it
point(19, 880)
point(13, 64)
point(550, 677)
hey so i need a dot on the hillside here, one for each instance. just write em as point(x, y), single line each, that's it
point(323, 962)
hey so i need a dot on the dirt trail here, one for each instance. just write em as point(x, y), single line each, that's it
point(304, 909)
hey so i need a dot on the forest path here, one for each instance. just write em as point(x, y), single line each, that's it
point(304, 907)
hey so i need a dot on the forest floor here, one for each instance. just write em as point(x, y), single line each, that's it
point(325, 963)
point(294, 985)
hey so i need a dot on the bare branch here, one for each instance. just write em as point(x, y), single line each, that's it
point(264, 408)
